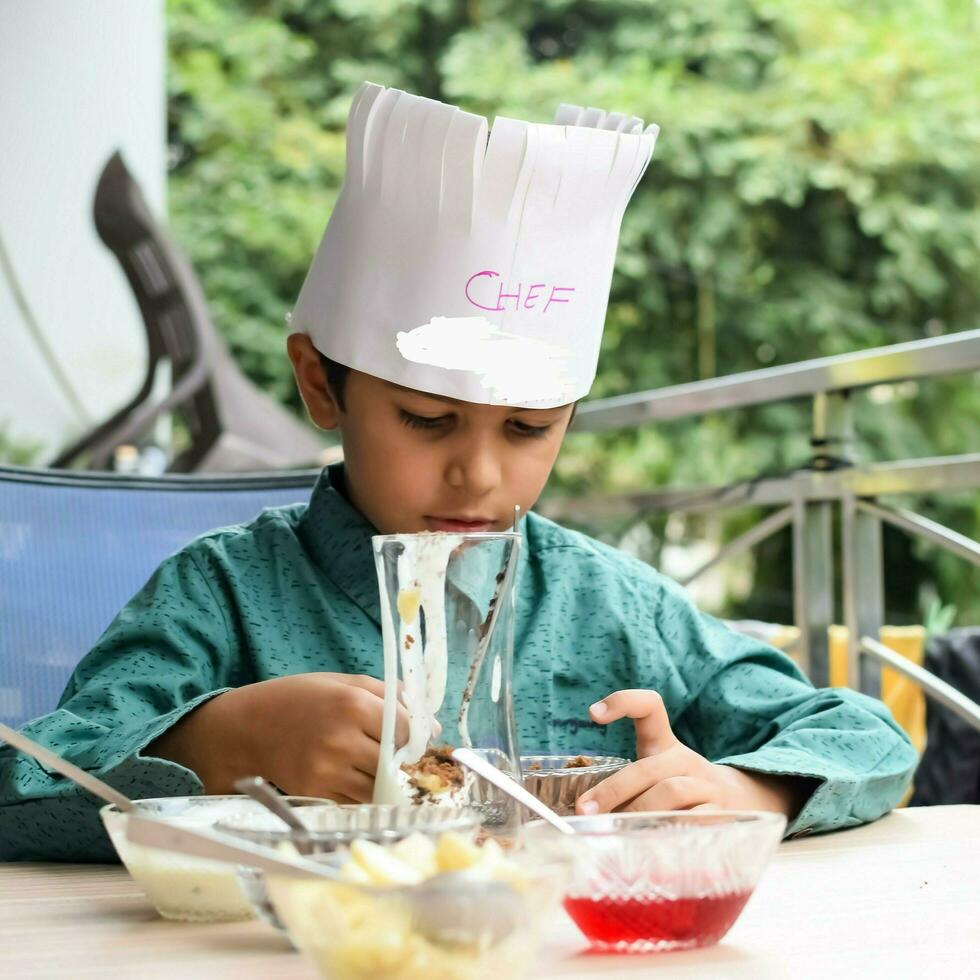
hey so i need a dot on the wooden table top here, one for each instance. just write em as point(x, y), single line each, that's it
point(898, 898)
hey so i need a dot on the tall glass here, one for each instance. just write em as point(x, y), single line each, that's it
point(447, 619)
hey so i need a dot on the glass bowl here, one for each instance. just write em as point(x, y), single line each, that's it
point(334, 827)
point(363, 932)
point(186, 888)
point(643, 882)
point(552, 781)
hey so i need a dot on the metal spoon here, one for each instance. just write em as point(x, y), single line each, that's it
point(450, 909)
point(489, 772)
point(454, 908)
point(265, 793)
point(84, 779)
point(504, 580)
point(151, 831)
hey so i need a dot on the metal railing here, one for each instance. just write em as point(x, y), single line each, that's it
point(941, 692)
point(808, 498)
point(952, 354)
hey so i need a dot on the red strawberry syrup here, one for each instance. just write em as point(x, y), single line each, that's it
point(622, 924)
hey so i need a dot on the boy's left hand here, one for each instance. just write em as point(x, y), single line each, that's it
point(669, 776)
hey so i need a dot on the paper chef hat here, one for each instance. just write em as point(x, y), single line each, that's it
point(469, 262)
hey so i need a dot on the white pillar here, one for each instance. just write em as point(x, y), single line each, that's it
point(78, 80)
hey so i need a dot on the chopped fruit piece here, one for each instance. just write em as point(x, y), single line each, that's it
point(409, 601)
point(355, 874)
point(381, 866)
point(418, 851)
point(493, 853)
point(455, 853)
point(431, 782)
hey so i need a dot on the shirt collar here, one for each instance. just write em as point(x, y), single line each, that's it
point(339, 538)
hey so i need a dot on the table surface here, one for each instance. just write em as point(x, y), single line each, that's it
point(897, 898)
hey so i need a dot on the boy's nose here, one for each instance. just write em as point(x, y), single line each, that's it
point(474, 469)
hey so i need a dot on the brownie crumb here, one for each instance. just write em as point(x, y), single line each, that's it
point(535, 767)
point(580, 762)
point(436, 772)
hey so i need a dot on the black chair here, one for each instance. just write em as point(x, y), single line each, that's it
point(949, 771)
point(74, 547)
point(232, 426)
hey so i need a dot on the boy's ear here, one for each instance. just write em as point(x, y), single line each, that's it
point(312, 382)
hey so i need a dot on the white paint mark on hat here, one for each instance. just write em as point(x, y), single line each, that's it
point(513, 368)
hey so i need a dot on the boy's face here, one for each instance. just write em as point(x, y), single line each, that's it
point(419, 462)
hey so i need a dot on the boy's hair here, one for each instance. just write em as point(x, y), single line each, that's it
point(336, 375)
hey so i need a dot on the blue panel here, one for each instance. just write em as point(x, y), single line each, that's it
point(72, 554)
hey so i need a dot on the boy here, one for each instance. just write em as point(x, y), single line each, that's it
point(450, 320)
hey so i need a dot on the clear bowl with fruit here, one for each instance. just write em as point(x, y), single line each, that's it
point(643, 882)
point(480, 919)
point(187, 888)
point(334, 827)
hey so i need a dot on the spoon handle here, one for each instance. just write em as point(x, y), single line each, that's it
point(195, 842)
point(479, 765)
point(262, 792)
point(84, 779)
point(486, 631)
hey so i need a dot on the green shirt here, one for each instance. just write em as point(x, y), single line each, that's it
point(295, 591)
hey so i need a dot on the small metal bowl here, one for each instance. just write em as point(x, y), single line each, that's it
point(549, 779)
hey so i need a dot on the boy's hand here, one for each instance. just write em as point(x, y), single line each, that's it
point(669, 776)
point(310, 734)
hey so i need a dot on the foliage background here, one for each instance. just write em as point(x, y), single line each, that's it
point(814, 191)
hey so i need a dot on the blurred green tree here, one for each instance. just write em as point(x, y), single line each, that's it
point(814, 191)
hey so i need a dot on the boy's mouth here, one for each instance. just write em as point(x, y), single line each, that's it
point(458, 525)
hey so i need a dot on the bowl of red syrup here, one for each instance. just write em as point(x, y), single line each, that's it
point(647, 882)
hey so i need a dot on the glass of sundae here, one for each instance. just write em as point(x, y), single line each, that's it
point(447, 616)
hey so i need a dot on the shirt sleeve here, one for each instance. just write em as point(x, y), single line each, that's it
point(748, 705)
point(167, 652)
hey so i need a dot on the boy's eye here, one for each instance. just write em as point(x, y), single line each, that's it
point(422, 421)
point(529, 431)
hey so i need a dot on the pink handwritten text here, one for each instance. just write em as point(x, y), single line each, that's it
point(481, 291)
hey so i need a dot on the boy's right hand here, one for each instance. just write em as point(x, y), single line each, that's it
point(310, 734)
